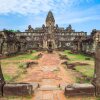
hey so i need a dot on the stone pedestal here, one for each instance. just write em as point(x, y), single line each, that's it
point(96, 80)
point(2, 82)
point(80, 90)
point(17, 89)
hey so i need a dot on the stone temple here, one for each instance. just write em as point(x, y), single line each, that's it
point(50, 35)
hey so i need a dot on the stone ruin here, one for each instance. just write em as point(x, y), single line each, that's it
point(96, 80)
point(2, 81)
point(47, 37)
point(92, 89)
point(76, 89)
point(15, 89)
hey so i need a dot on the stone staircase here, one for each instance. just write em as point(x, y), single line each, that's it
point(47, 94)
point(48, 91)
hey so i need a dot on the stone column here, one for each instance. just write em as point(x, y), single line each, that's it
point(97, 70)
point(78, 46)
point(2, 81)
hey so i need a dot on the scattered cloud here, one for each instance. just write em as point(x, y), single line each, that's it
point(25, 7)
point(79, 16)
point(20, 13)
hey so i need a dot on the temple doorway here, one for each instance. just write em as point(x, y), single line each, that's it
point(50, 46)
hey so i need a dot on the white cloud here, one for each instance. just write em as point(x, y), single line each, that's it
point(65, 12)
point(79, 16)
point(35, 6)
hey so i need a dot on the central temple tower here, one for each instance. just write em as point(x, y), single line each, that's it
point(50, 21)
point(49, 37)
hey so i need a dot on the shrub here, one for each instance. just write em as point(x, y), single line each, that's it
point(23, 65)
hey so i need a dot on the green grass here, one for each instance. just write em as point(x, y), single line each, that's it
point(7, 77)
point(85, 70)
point(17, 98)
point(74, 57)
point(12, 78)
point(22, 65)
point(34, 51)
point(34, 57)
point(23, 57)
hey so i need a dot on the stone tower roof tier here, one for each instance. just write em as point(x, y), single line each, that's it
point(50, 17)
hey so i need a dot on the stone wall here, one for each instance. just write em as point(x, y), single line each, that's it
point(80, 90)
point(88, 43)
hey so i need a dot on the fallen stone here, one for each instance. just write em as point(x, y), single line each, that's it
point(64, 63)
point(63, 57)
point(70, 66)
point(40, 55)
point(80, 64)
point(29, 64)
point(87, 58)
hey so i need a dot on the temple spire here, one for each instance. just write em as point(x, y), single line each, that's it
point(50, 19)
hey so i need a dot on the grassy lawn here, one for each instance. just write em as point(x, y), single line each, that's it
point(16, 98)
point(23, 57)
point(76, 57)
point(87, 70)
point(7, 77)
point(11, 66)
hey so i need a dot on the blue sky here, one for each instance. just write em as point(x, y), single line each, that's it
point(83, 15)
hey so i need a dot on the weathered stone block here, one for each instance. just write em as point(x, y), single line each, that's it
point(1, 89)
point(34, 86)
point(17, 89)
point(64, 63)
point(29, 64)
point(40, 55)
point(63, 57)
point(70, 66)
point(80, 89)
point(2, 81)
point(96, 80)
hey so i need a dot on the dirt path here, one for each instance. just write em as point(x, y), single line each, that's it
point(49, 74)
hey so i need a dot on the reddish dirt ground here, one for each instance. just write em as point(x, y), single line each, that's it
point(49, 73)
point(43, 70)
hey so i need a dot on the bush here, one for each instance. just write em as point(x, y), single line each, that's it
point(23, 65)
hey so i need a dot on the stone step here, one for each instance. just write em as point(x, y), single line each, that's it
point(48, 88)
point(63, 86)
point(39, 96)
point(46, 95)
